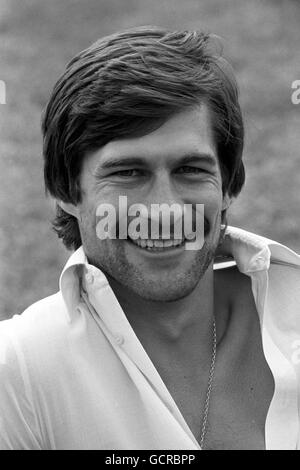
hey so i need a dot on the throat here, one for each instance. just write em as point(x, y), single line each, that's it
point(185, 320)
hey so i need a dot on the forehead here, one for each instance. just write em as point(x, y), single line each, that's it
point(188, 131)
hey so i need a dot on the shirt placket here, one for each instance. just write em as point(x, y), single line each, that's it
point(112, 321)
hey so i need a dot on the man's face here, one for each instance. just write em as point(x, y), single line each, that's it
point(176, 163)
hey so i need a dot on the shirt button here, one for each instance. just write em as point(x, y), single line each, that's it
point(260, 262)
point(89, 278)
point(119, 339)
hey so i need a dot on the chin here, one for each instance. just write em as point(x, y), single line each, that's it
point(164, 292)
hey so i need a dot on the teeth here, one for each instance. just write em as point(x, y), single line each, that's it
point(157, 244)
point(168, 243)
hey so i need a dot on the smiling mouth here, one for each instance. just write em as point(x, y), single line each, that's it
point(158, 245)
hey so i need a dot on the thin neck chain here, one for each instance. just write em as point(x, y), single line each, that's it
point(209, 385)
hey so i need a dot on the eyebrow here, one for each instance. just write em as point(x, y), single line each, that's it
point(119, 162)
point(207, 158)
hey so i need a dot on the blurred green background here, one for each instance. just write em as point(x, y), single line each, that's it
point(37, 38)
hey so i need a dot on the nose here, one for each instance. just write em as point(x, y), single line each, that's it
point(162, 191)
point(165, 207)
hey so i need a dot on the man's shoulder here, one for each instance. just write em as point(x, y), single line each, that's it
point(53, 306)
point(42, 322)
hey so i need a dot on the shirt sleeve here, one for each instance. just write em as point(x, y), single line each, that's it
point(18, 422)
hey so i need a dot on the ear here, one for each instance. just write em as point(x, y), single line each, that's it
point(227, 201)
point(69, 208)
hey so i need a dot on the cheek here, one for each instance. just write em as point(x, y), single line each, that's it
point(212, 199)
point(87, 221)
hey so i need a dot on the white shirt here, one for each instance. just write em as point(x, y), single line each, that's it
point(73, 374)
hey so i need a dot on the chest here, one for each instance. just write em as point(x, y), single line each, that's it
point(241, 393)
point(237, 410)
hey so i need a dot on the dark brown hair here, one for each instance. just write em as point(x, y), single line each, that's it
point(126, 84)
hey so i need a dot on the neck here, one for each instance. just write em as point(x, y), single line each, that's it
point(171, 323)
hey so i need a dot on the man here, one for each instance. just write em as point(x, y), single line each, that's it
point(147, 344)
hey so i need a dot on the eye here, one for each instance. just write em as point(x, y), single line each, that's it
point(186, 169)
point(128, 173)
